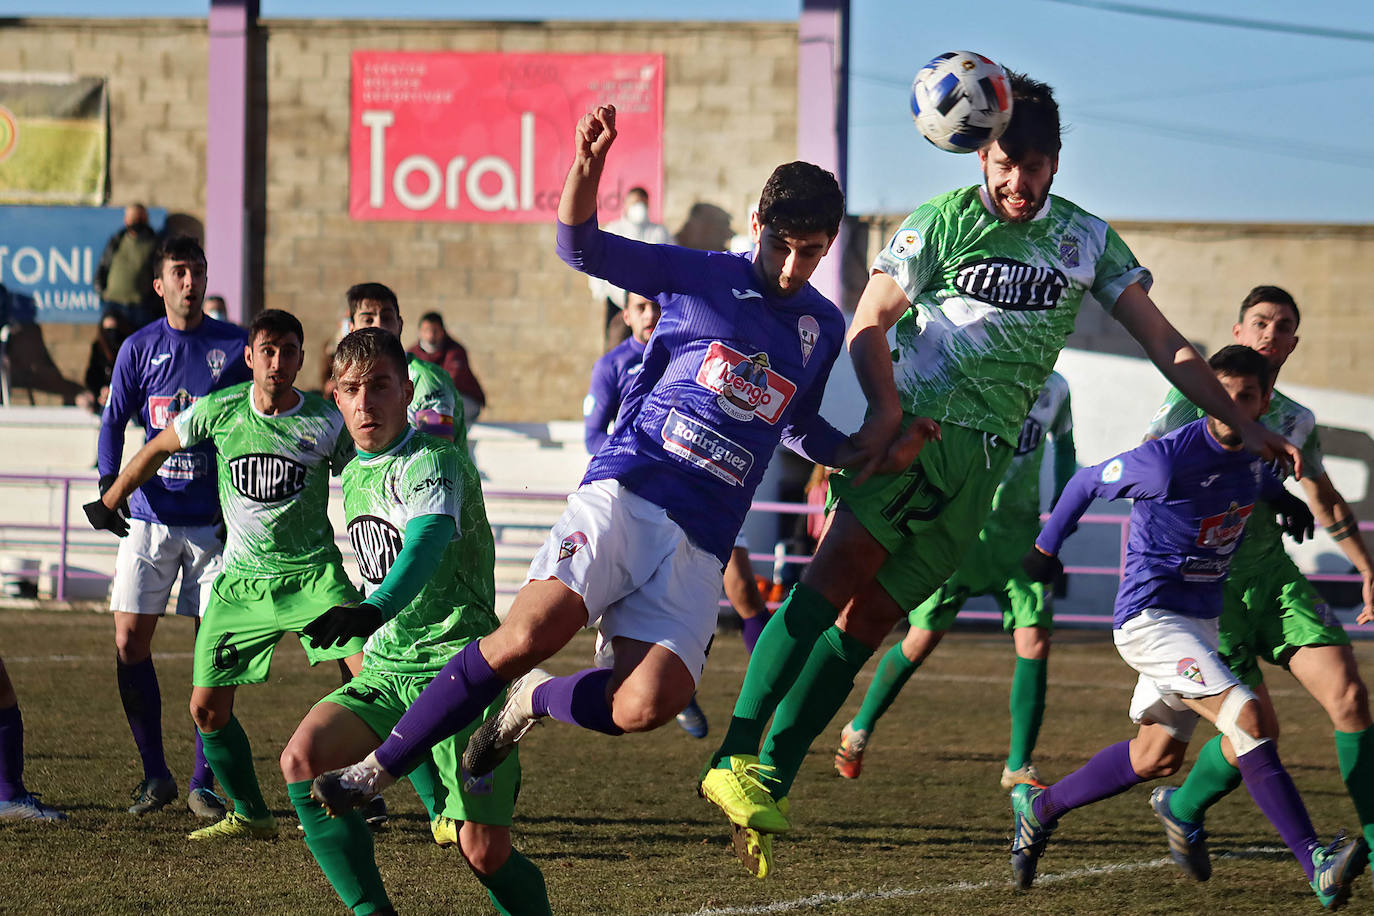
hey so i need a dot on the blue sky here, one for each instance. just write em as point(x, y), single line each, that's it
point(1264, 119)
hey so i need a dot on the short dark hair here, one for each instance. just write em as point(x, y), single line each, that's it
point(177, 248)
point(1034, 123)
point(275, 323)
point(1239, 361)
point(358, 292)
point(800, 198)
point(638, 189)
point(434, 317)
point(1275, 294)
point(364, 347)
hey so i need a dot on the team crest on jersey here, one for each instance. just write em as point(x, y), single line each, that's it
point(746, 386)
point(162, 409)
point(1012, 285)
point(376, 543)
point(265, 478)
point(1222, 532)
point(1068, 252)
point(571, 545)
point(809, 330)
point(215, 360)
point(905, 243)
point(1188, 667)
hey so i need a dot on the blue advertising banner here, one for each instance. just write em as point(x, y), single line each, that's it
point(48, 256)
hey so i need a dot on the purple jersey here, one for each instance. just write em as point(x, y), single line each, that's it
point(158, 373)
point(611, 378)
point(1192, 497)
point(730, 371)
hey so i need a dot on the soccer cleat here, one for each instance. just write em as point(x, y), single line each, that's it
point(152, 795)
point(849, 759)
point(1187, 839)
point(235, 826)
point(352, 787)
point(445, 831)
point(1027, 773)
point(1337, 867)
point(740, 793)
point(754, 849)
point(1029, 835)
point(693, 720)
point(27, 807)
point(495, 738)
point(205, 804)
point(374, 812)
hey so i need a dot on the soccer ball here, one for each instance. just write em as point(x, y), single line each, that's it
point(961, 101)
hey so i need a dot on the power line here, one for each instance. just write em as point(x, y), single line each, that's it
point(1236, 22)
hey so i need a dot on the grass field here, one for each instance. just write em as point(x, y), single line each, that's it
point(615, 823)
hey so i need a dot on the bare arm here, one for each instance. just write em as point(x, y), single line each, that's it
point(1182, 365)
point(1334, 514)
point(595, 134)
point(142, 466)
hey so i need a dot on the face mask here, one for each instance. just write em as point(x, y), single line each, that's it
point(428, 347)
point(111, 336)
point(637, 213)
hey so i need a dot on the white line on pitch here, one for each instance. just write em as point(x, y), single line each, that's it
point(157, 656)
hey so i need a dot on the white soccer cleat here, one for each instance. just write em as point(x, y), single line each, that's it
point(352, 787)
point(495, 738)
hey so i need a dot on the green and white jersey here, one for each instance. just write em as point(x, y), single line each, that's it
point(993, 303)
point(434, 391)
point(1019, 492)
point(273, 478)
point(418, 476)
point(1285, 416)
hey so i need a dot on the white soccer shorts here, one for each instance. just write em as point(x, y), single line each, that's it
point(150, 557)
point(636, 571)
point(1176, 657)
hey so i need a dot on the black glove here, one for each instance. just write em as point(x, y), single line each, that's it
point(1041, 567)
point(107, 481)
point(103, 518)
point(341, 623)
point(1294, 517)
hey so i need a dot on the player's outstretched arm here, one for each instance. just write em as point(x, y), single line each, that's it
point(1334, 514)
point(1182, 365)
point(104, 513)
point(593, 139)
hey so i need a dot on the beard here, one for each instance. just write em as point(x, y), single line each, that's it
point(1030, 212)
point(1228, 437)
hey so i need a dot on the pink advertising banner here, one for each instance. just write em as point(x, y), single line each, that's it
point(489, 137)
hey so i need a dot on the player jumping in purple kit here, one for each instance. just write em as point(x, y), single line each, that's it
point(1193, 491)
point(640, 548)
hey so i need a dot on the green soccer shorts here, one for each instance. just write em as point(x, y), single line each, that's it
point(379, 698)
point(1269, 612)
point(928, 516)
point(246, 618)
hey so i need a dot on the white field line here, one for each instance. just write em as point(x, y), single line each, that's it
point(46, 659)
point(816, 901)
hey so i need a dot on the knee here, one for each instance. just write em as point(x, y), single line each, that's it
point(132, 647)
point(485, 848)
point(1350, 710)
point(296, 763)
point(643, 710)
point(208, 718)
point(1157, 766)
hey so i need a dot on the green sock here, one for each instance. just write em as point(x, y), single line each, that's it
point(517, 888)
point(1355, 753)
point(231, 758)
point(809, 706)
point(1027, 708)
point(894, 670)
point(425, 780)
point(1211, 779)
point(778, 657)
point(343, 847)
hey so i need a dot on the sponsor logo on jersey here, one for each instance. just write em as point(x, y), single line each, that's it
point(1068, 251)
point(809, 330)
point(905, 243)
point(430, 483)
point(745, 385)
point(1188, 667)
point(185, 466)
point(1112, 472)
point(1011, 285)
point(162, 409)
point(746, 293)
point(478, 785)
point(1209, 481)
point(265, 478)
point(159, 359)
point(376, 543)
point(702, 446)
point(1205, 569)
point(571, 545)
point(1222, 532)
point(215, 360)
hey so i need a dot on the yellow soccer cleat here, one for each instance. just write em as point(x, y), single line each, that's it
point(445, 831)
point(237, 827)
point(754, 849)
point(740, 793)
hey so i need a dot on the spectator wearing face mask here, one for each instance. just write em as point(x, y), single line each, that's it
point(633, 224)
point(100, 367)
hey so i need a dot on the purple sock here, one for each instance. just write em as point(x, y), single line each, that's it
point(11, 754)
point(750, 628)
point(202, 777)
point(142, 700)
point(1108, 773)
point(1275, 795)
point(452, 701)
point(578, 699)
